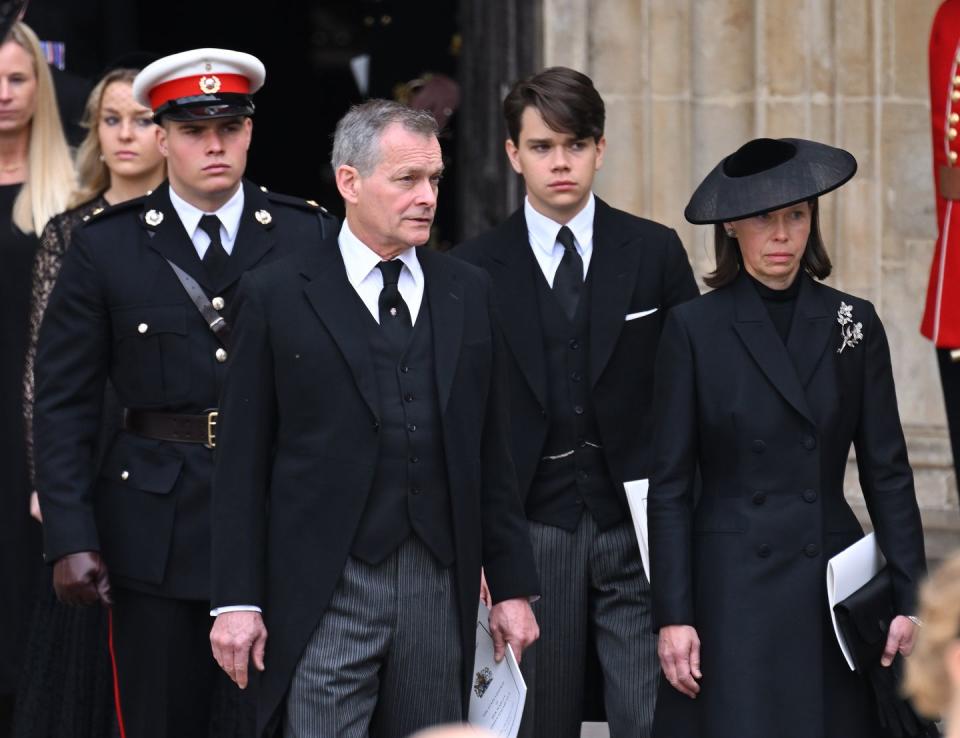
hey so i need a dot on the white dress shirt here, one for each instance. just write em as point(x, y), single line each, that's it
point(542, 233)
point(229, 216)
point(362, 273)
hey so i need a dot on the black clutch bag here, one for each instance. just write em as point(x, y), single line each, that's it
point(864, 620)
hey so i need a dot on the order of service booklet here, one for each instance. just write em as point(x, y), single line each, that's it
point(498, 691)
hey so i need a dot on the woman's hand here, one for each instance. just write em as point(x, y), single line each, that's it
point(35, 507)
point(679, 652)
point(900, 639)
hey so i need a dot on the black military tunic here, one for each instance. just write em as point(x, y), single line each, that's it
point(119, 311)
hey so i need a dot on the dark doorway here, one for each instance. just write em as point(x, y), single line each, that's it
point(315, 52)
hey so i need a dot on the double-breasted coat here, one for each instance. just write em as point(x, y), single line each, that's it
point(300, 445)
point(118, 311)
point(769, 427)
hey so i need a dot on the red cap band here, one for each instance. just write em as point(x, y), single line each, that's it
point(201, 84)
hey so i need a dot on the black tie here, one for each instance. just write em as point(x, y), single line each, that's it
point(568, 281)
point(216, 256)
point(394, 314)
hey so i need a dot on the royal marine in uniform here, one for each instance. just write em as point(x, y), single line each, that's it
point(144, 299)
point(941, 318)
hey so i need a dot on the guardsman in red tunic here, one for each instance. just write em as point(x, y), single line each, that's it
point(941, 318)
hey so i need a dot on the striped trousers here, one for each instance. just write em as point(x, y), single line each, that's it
point(385, 659)
point(593, 585)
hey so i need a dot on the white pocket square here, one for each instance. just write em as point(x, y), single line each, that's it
point(641, 314)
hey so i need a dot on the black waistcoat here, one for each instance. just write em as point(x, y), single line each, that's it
point(562, 487)
point(410, 492)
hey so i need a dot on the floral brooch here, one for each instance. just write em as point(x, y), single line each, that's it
point(851, 333)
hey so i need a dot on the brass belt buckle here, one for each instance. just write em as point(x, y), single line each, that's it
point(212, 429)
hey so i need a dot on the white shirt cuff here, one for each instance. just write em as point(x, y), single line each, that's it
point(234, 608)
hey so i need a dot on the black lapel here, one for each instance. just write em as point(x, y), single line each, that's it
point(752, 323)
point(253, 240)
point(164, 233)
point(613, 274)
point(445, 293)
point(811, 329)
point(335, 302)
point(512, 268)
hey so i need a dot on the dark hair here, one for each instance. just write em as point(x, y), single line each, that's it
point(566, 99)
point(814, 261)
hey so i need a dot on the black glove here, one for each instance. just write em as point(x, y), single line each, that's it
point(81, 579)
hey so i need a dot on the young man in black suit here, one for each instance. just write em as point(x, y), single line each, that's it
point(582, 289)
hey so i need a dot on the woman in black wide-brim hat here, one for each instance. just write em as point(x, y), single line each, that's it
point(763, 385)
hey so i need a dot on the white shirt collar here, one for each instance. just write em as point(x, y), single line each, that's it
point(543, 230)
point(360, 260)
point(229, 214)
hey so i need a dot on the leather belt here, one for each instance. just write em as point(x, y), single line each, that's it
point(176, 427)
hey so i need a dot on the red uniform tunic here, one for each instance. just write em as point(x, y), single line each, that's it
point(941, 318)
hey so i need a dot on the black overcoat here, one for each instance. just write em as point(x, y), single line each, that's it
point(770, 427)
point(300, 438)
point(637, 266)
point(118, 311)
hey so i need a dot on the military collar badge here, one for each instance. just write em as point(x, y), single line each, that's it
point(850, 333)
point(153, 218)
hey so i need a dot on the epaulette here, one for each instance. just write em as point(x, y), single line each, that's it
point(297, 202)
point(98, 214)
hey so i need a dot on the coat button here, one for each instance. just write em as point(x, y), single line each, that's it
point(143, 328)
point(809, 495)
point(221, 355)
point(763, 550)
point(809, 443)
point(412, 427)
point(812, 550)
point(414, 490)
point(759, 497)
point(574, 344)
point(218, 303)
point(578, 409)
point(124, 475)
point(376, 426)
point(758, 446)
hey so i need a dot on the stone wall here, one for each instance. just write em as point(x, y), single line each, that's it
point(688, 81)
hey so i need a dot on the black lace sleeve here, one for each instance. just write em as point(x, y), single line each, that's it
point(54, 242)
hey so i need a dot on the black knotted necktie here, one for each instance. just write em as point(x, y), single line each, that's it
point(568, 281)
point(216, 256)
point(394, 313)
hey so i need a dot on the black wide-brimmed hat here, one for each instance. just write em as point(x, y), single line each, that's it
point(767, 174)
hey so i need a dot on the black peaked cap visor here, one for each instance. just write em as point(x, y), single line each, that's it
point(768, 174)
point(205, 107)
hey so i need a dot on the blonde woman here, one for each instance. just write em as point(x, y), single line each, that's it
point(933, 671)
point(36, 178)
point(67, 667)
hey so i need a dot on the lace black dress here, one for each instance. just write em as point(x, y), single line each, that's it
point(66, 688)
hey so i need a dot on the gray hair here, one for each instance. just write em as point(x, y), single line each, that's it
point(356, 142)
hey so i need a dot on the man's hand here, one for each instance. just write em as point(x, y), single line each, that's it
point(512, 621)
point(234, 638)
point(81, 579)
point(900, 639)
point(35, 507)
point(679, 652)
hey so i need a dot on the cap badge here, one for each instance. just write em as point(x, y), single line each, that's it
point(263, 217)
point(153, 218)
point(210, 85)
